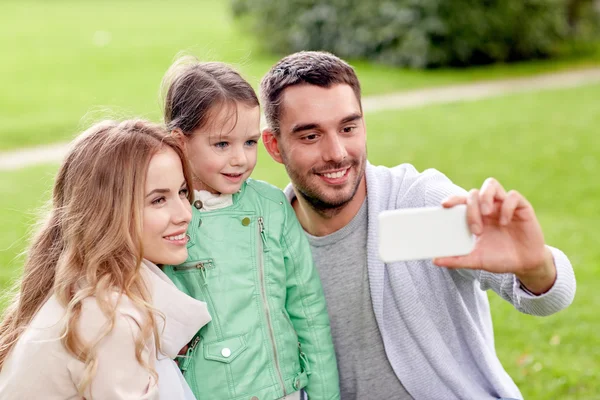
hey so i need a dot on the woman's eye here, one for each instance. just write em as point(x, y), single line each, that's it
point(159, 200)
point(184, 192)
point(221, 145)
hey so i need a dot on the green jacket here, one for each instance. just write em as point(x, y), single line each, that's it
point(269, 335)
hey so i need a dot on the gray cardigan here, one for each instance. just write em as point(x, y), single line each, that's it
point(435, 322)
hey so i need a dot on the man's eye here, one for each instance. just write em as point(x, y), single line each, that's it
point(310, 137)
point(348, 129)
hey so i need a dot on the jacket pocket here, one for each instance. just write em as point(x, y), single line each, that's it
point(225, 350)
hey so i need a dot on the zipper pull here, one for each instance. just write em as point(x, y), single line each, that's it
point(263, 235)
point(200, 266)
point(304, 365)
point(184, 361)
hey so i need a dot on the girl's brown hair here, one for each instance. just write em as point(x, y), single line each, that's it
point(193, 90)
point(90, 244)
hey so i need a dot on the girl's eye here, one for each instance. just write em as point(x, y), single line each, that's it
point(221, 145)
point(251, 143)
point(159, 200)
point(183, 192)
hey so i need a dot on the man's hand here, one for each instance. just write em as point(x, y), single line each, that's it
point(509, 237)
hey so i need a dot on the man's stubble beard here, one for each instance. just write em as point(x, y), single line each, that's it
point(314, 199)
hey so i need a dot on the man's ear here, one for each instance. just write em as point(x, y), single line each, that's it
point(272, 144)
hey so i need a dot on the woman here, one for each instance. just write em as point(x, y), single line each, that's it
point(94, 313)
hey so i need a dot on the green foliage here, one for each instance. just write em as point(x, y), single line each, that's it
point(101, 60)
point(423, 33)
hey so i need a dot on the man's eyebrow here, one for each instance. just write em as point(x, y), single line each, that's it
point(158, 191)
point(304, 127)
point(351, 118)
point(310, 126)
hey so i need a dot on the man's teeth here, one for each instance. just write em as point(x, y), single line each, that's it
point(335, 175)
point(178, 237)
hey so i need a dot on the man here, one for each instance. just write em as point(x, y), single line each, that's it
point(419, 329)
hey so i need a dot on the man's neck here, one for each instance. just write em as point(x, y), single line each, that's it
point(319, 224)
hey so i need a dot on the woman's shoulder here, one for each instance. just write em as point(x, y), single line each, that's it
point(117, 311)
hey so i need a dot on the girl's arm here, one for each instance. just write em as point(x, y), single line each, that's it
point(306, 307)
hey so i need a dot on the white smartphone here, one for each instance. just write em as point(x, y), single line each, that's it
point(424, 233)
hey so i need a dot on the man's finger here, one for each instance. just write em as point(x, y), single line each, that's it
point(490, 190)
point(455, 262)
point(474, 213)
point(454, 201)
point(513, 200)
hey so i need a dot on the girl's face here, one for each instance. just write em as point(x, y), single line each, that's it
point(223, 155)
point(167, 211)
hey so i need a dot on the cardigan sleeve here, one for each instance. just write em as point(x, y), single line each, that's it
point(560, 296)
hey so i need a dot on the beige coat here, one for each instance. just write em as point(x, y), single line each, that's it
point(39, 367)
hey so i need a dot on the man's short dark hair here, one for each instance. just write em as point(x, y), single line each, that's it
point(306, 67)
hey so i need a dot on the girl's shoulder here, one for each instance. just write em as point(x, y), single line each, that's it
point(265, 191)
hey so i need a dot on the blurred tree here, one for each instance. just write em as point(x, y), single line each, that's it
point(424, 33)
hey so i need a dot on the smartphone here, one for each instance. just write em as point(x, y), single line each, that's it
point(424, 233)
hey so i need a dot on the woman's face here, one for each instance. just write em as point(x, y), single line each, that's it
point(167, 211)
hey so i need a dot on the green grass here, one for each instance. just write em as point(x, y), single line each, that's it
point(543, 144)
point(69, 63)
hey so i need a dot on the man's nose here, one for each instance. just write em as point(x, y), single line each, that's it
point(335, 150)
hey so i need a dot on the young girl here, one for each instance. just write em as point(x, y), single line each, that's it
point(248, 256)
point(94, 311)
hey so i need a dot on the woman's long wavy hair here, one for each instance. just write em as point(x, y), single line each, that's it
point(90, 244)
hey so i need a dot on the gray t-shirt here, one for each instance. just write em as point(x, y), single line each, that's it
point(341, 259)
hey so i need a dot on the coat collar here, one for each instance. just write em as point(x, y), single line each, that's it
point(183, 315)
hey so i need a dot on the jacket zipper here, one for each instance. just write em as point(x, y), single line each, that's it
point(207, 296)
point(199, 265)
point(187, 359)
point(303, 358)
point(203, 266)
point(262, 245)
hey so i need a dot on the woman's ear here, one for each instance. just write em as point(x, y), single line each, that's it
point(271, 144)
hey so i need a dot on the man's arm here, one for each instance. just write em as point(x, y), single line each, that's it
point(510, 254)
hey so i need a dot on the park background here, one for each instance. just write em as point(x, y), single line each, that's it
point(66, 64)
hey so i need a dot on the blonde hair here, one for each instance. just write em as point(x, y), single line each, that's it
point(90, 243)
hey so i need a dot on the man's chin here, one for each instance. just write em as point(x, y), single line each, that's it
point(329, 201)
